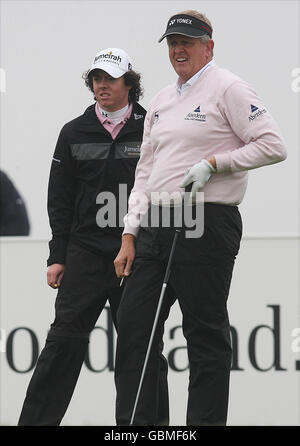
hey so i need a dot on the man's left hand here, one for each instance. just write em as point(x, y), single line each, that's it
point(198, 174)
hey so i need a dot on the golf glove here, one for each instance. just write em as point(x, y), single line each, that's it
point(198, 174)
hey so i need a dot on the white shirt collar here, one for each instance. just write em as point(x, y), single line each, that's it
point(182, 88)
point(114, 116)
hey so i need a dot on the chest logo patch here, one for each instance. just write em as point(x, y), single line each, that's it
point(196, 115)
point(156, 116)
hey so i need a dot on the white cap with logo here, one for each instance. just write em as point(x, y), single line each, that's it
point(113, 61)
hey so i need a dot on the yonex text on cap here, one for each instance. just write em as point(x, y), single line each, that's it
point(187, 26)
point(113, 61)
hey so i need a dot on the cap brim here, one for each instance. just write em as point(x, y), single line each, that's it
point(114, 72)
point(189, 33)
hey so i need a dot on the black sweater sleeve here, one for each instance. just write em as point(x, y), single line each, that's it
point(61, 197)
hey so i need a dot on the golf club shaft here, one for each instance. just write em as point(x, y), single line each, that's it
point(166, 278)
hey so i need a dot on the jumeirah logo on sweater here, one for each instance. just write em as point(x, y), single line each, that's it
point(196, 115)
point(132, 151)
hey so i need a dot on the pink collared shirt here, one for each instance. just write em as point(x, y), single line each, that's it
point(109, 125)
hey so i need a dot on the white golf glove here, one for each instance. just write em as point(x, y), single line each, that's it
point(198, 174)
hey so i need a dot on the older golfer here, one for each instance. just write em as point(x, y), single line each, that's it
point(206, 130)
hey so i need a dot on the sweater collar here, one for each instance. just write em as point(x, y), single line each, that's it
point(181, 88)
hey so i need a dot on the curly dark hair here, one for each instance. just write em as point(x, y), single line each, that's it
point(131, 78)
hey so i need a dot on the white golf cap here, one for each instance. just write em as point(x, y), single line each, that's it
point(113, 61)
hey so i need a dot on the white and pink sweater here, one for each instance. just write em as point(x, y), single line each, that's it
point(220, 115)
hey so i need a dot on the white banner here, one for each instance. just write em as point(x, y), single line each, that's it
point(264, 314)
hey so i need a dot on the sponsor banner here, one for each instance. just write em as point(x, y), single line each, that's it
point(264, 314)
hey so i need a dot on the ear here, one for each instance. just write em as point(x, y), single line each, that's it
point(211, 45)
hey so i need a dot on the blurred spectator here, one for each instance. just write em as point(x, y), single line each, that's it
point(13, 214)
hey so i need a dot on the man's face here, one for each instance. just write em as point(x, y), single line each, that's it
point(188, 55)
point(111, 93)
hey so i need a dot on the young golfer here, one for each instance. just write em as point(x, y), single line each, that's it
point(95, 154)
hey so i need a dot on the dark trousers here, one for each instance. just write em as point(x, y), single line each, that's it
point(88, 283)
point(200, 278)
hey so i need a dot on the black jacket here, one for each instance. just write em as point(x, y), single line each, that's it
point(86, 162)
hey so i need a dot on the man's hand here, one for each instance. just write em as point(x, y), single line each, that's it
point(54, 275)
point(126, 255)
point(198, 174)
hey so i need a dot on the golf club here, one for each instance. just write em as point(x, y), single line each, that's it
point(161, 297)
